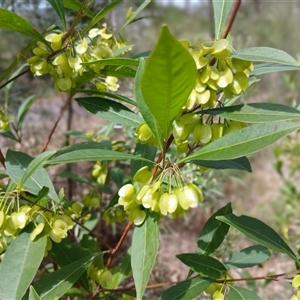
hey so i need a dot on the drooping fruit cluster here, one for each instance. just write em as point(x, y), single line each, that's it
point(169, 194)
point(296, 284)
point(217, 289)
point(144, 135)
point(217, 71)
point(65, 58)
point(14, 217)
point(100, 172)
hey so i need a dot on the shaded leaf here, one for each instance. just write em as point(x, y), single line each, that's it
point(75, 5)
point(239, 293)
point(58, 6)
point(265, 54)
point(244, 141)
point(11, 21)
point(259, 232)
point(204, 265)
point(186, 290)
point(135, 14)
point(118, 71)
point(144, 109)
point(54, 285)
point(168, 80)
point(17, 163)
point(24, 108)
point(249, 257)
point(256, 112)
point(114, 62)
point(213, 232)
point(222, 10)
point(107, 95)
point(18, 267)
point(110, 110)
point(241, 163)
point(9, 134)
point(33, 295)
point(145, 242)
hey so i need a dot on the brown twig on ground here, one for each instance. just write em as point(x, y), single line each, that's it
point(62, 110)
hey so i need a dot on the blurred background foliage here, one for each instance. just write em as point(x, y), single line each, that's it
point(271, 192)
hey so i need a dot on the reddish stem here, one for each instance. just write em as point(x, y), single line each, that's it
point(62, 110)
point(232, 18)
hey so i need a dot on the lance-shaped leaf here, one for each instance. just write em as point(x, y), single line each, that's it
point(114, 62)
point(222, 10)
point(206, 266)
point(17, 164)
point(135, 14)
point(241, 163)
point(24, 108)
point(145, 242)
point(186, 290)
point(168, 80)
point(256, 112)
point(144, 109)
point(259, 232)
point(110, 110)
point(36, 163)
point(77, 155)
point(244, 141)
point(11, 21)
point(239, 293)
point(76, 5)
point(213, 232)
point(249, 257)
point(58, 6)
point(260, 69)
point(20, 264)
point(56, 284)
point(100, 15)
point(266, 54)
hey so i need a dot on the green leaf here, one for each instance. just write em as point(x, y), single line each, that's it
point(265, 54)
point(241, 163)
point(239, 293)
point(256, 112)
point(249, 257)
point(54, 285)
point(33, 295)
point(100, 15)
point(107, 95)
point(168, 80)
point(35, 164)
point(144, 109)
point(17, 163)
point(58, 6)
point(114, 62)
point(75, 5)
point(145, 242)
point(244, 141)
point(9, 134)
point(18, 267)
point(186, 290)
point(266, 68)
point(120, 72)
point(143, 150)
point(222, 10)
point(92, 155)
point(259, 232)
point(110, 110)
point(24, 108)
point(213, 232)
point(11, 21)
point(135, 14)
point(206, 266)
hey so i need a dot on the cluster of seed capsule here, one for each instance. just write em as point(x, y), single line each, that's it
point(65, 59)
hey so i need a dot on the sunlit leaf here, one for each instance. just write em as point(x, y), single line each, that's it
point(239, 293)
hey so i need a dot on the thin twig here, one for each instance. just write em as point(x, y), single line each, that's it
point(14, 78)
point(232, 18)
point(56, 123)
point(2, 159)
point(120, 242)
